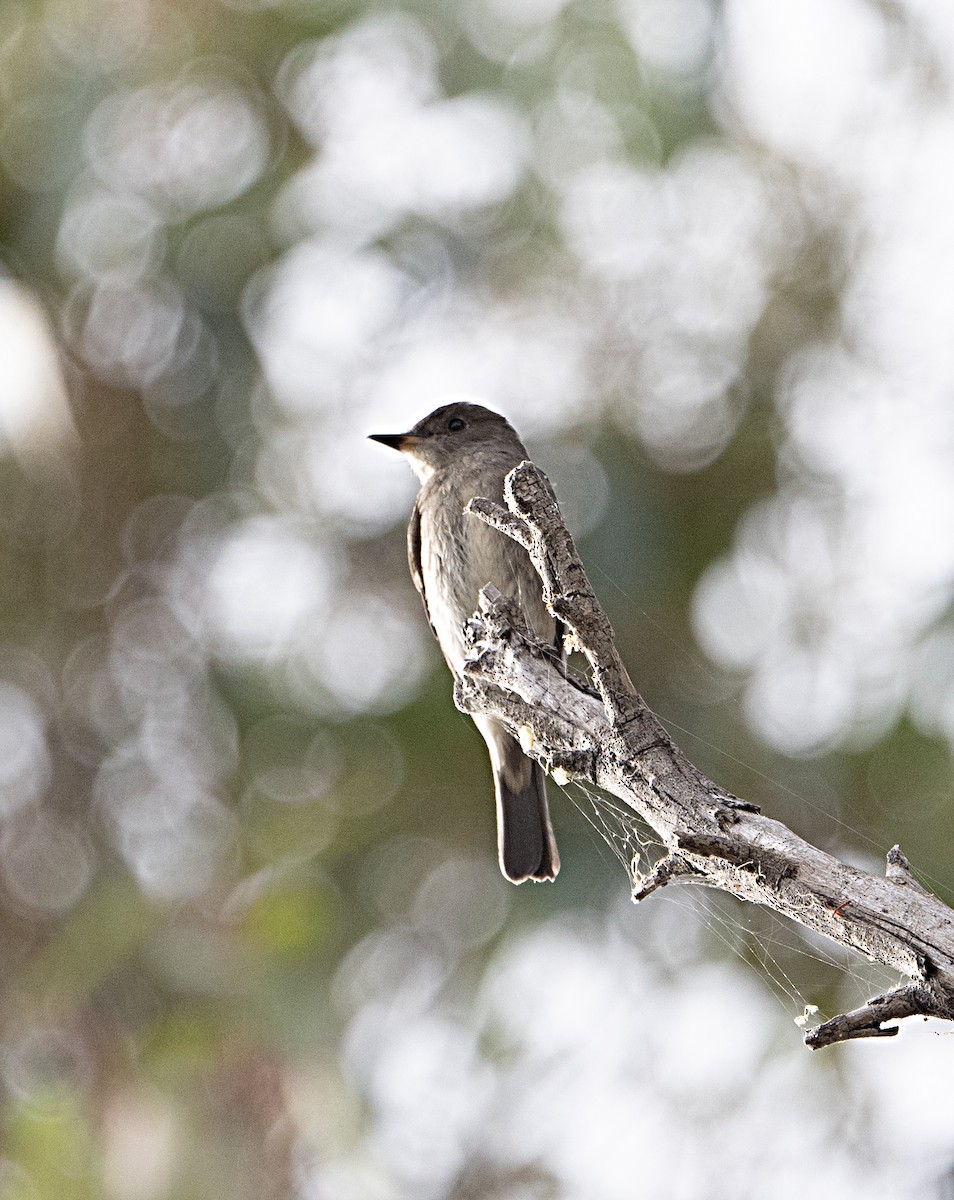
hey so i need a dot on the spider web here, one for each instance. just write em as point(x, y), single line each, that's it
point(806, 973)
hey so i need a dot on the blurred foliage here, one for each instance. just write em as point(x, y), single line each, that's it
point(254, 940)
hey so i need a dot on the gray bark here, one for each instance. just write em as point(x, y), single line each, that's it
point(606, 734)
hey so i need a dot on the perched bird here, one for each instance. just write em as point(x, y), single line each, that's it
point(458, 452)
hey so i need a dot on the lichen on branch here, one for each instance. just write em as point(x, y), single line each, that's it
point(601, 730)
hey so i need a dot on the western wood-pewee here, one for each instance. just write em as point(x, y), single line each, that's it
point(458, 452)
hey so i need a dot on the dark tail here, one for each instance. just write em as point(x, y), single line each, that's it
point(524, 834)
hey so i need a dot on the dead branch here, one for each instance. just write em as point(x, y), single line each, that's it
point(608, 736)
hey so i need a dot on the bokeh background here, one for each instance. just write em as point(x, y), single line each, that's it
point(253, 938)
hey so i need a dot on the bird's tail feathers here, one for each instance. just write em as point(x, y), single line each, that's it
point(525, 840)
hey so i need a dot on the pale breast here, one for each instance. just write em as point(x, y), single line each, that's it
point(460, 554)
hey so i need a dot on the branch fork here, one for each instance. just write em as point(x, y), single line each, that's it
point(605, 733)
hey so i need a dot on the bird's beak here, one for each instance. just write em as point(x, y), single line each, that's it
point(397, 441)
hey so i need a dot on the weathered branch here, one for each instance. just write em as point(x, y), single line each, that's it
point(611, 738)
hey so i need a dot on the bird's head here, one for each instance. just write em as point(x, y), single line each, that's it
point(449, 433)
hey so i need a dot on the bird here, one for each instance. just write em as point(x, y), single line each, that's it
point(458, 452)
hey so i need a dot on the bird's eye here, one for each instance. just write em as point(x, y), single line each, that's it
point(455, 424)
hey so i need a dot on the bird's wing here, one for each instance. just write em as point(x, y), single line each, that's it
point(414, 559)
